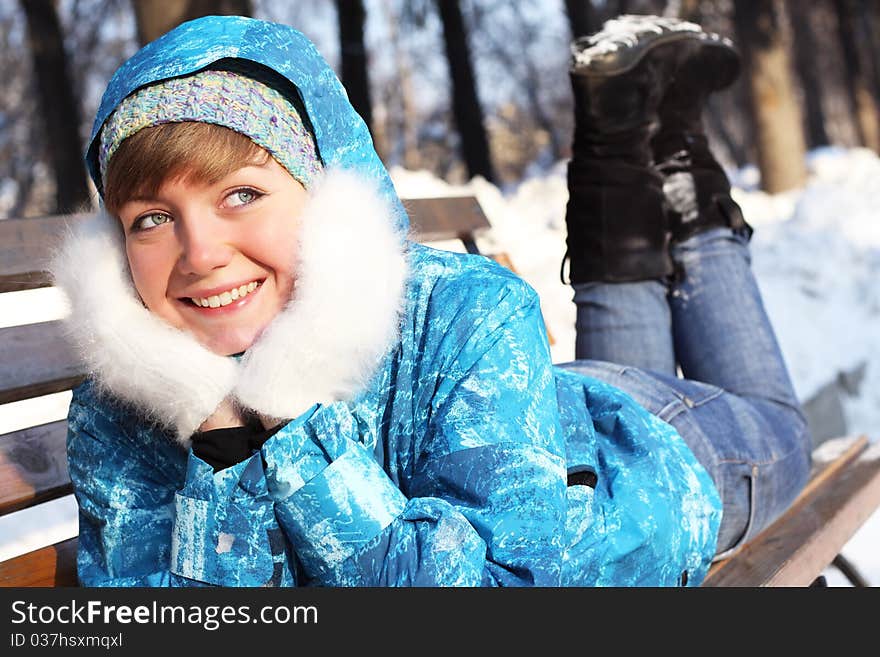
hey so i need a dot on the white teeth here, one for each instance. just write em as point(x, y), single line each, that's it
point(225, 298)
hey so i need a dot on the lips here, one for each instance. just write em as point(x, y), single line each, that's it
point(226, 297)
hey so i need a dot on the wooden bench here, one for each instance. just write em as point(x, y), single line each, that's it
point(34, 360)
point(843, 492)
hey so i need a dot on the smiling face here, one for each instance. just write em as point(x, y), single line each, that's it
point(216, 258)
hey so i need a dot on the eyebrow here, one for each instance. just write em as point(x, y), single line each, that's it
point(141, 198)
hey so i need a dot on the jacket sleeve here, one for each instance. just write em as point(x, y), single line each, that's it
point(484, 503)
point(150, 517)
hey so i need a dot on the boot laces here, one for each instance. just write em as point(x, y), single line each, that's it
point(676, 162)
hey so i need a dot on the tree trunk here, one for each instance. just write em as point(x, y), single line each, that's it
point(690, 10)
point(515, 55)
point(582, 18)
point(465, 103)
point(715, 121)
point(407, 136)
point(807, 66)
point(777, 117)
point(156, 17)
point(869, 17)
point(59, 106)
point(862, 101)
point(352, 17)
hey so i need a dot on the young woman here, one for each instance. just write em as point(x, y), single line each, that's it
point(284, 390)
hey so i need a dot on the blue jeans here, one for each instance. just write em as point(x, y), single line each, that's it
point(735, 406)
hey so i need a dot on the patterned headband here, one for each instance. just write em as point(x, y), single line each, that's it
point(223, 98)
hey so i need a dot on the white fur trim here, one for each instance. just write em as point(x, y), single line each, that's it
point(346, 304)
point(323, 347)
point(130, 352)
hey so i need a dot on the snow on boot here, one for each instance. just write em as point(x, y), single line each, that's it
point(695, 185)
point(616, 216)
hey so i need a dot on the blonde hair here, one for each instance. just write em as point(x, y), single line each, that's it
point(190, 150)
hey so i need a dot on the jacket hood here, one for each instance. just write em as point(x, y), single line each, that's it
point(352, 247)
point(253, 47)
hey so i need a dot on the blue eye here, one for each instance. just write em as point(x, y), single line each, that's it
point(242, 197)
point(148, 221)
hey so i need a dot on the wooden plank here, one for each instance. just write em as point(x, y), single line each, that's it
point(823, 468)
point(800, 544)
point(36, 360)
point(26, 244)
point(454, 217)
point(25, 248)
point(54, 565)
point(33, 466)
point(842, 509)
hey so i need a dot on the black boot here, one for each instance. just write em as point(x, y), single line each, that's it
point(616, 215)
point(696, 187)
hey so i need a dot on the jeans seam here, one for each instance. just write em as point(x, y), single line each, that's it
point(715, 394)
point(683, 398)
point(672, 410)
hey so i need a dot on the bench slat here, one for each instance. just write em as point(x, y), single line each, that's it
point(26, 244)
point(436, 219)
point(35, 360)
point(25, 247)
point(33, 466)
point(821, 471)
point(805, 539)
point(54, 565)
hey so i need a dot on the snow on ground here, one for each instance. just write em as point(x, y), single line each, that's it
point(816, 255)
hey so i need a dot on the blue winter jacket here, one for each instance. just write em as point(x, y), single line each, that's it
point(450, 465)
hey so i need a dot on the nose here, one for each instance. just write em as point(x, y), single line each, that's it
point(205, 246)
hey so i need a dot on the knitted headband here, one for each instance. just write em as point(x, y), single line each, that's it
point(223, 98)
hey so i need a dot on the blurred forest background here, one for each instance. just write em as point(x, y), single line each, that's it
point(458, 87)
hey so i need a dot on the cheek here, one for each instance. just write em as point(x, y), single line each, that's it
point(279, 249)
point(149, 273)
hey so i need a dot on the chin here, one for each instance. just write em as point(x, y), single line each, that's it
point(229, 343)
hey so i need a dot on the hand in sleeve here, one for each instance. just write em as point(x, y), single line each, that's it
point(485, 503)
point(150, 516)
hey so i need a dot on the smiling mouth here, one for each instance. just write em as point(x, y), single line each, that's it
point(227, 297)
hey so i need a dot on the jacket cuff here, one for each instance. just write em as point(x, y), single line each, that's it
point(336, 513)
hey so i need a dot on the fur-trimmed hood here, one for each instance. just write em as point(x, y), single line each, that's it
point(352, 268)
point(343, 314)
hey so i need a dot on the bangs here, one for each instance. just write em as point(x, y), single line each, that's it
point(190, 151)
